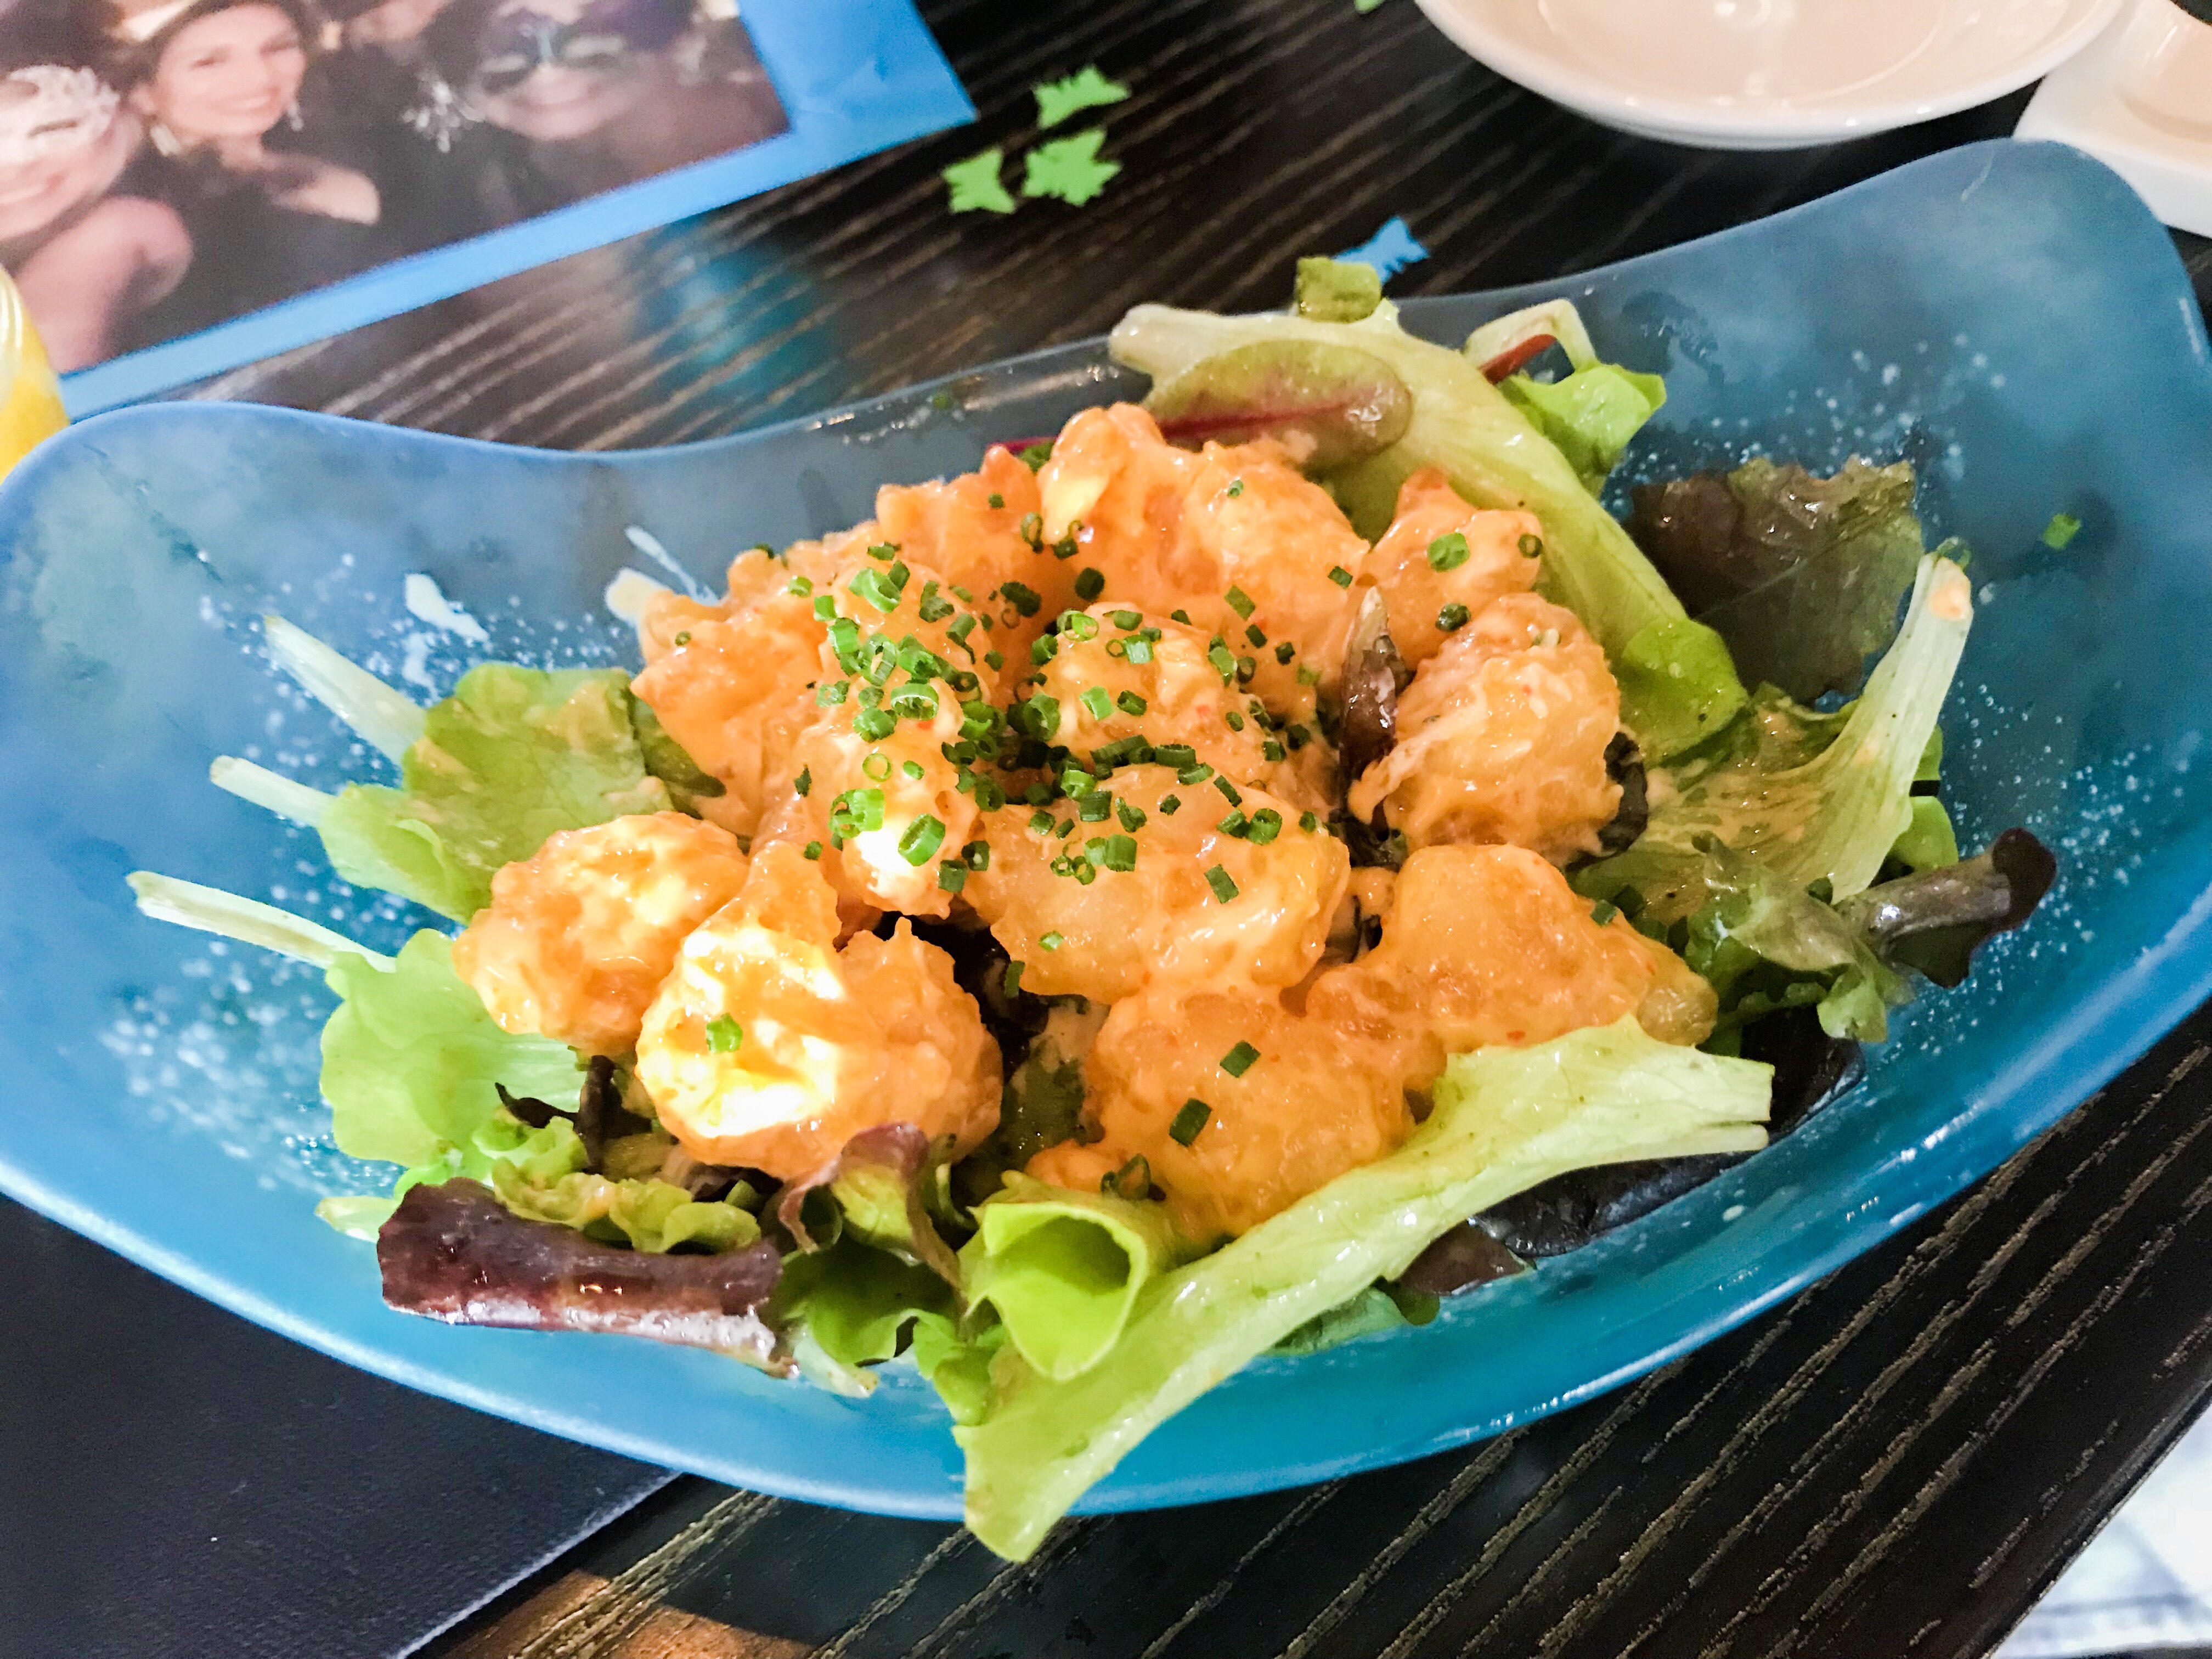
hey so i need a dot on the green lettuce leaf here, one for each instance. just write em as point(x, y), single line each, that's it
point(848, 1307)
point(653, 1216)
point(1801, 575)
point(1494, 457)
point(1064, 1269)
point(1811, 797)
point(1765, 946)
point(515, 755)
point(1589, 416)
point(1505, 1120)
point(412, 1064)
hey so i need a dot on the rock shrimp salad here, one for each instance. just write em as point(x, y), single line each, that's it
point(1219, 880)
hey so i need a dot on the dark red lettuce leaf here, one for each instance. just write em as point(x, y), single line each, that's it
point(454, 1253)
point(1801, 575)
point(1933, 920)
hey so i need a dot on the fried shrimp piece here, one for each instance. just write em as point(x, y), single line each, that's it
point(734, 689)
point(873, 784)
point(1148, 885)
point(1502, 737)
point(578, 936)
point(768, 1046)
point(1489, 944)
point(982, 531)
point(1117, 675)
point(1422, 574)
point(1233, 537)
point(1239, 1108)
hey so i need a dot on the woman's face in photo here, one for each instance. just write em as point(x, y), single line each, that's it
point(51, 161)
point(552, 73)
point(228, 75)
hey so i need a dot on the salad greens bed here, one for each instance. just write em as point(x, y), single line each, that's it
point(1792, 846)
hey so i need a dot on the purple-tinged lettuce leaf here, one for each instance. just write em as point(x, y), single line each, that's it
point(1933, 920)
point(1801, 575)
point(454, 1253)
point(1325, 403)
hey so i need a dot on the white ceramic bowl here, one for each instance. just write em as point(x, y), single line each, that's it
point(1769, 74)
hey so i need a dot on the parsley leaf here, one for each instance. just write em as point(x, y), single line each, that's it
point(974, 184)
point(1085, 89)
point(1069, 169)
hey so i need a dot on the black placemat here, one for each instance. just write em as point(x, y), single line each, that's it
point(174, 1481)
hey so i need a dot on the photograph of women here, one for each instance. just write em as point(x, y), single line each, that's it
point(169, 165)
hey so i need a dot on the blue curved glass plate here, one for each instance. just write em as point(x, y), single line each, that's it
point(2009, 316)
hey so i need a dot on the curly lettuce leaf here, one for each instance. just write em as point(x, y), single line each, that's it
point(1801, 575)
point(846, 1307)
point(1811, 797)
point(1064, 1269)
point(412, 1064)
point(1764, 946)
point(1494, 457)
point(648, 1215)
point(1505, 1120)
point(515, 755)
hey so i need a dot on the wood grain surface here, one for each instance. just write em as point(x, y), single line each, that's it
point(1894, 1463)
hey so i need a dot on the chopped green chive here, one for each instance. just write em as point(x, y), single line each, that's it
point(1240, 602)
point(1051, 941)
point(951, 876)
point(1095, 808)
point(1022, 597)
point(1238, 1061)
point(813, 849)
point(922, 840)
point(1532, 547)
point(1266, 825)
point(1254, 634)
point(1169, 806)
point(1089, 584)
point(1340, 575)
point(1013, 980)
point(1235, 488)
point(1132, 817)
point(1137, 650)
point(1236, 721)
point(1097, 703)
point(994, 660)
point(870, 585)
point(1189, 1120)
point(682, 639)
point(724, 1035)
point(1308, 823)
point(1199, 772)
point(1308, 676)
point(1219, 879)
point(1602, 913)
point(1224, 664)
point(1452, 619)
point(1031, 530)
point(805, 780)
point(1284, 652)
point(996, 502)
point(1036, 455)
point(1041, 821)
point(1181, 615)
point(1130, 704)
point(1228, 789)
point(912, 769)
point(1448, 551)
point(801, 585)
point(1125, 620)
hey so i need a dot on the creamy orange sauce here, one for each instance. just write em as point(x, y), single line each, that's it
point(1088, 708)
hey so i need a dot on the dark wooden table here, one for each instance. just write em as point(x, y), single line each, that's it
point(1894, 1463)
